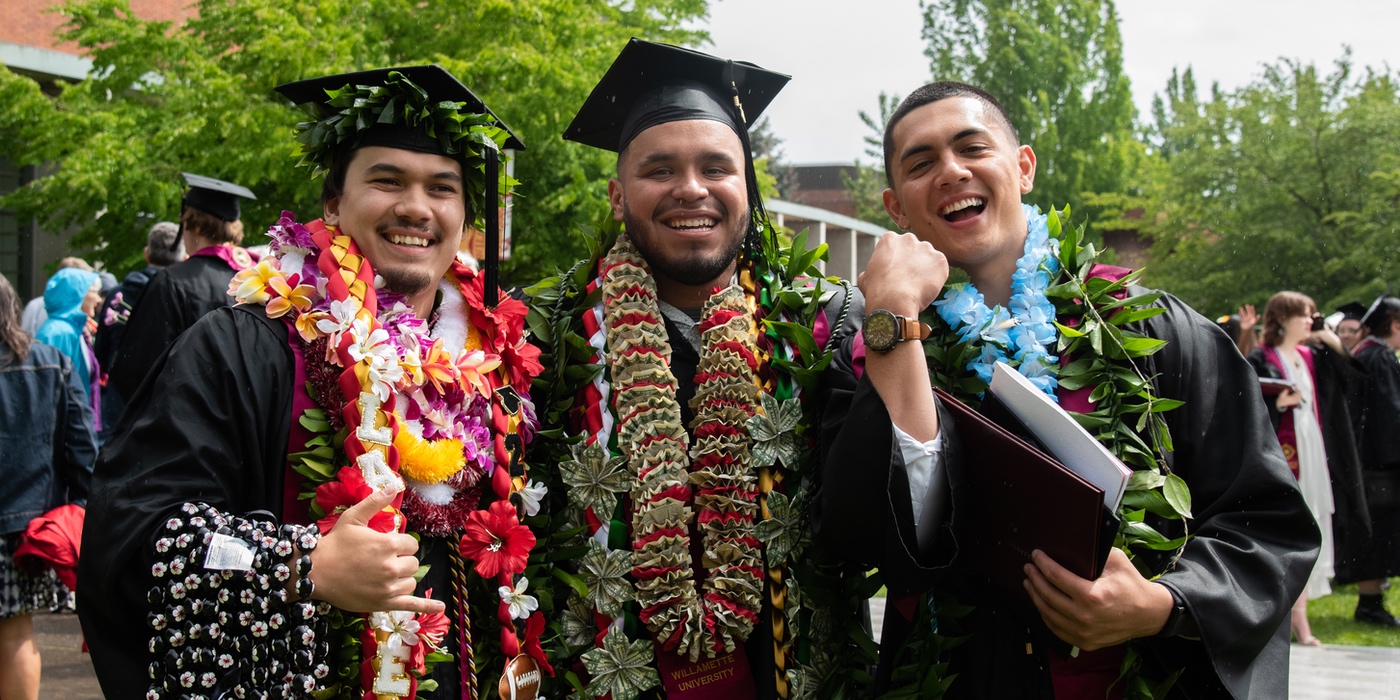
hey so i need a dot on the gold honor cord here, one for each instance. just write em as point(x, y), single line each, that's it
point(464, 627)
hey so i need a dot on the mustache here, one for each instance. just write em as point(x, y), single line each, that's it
point(402, 223)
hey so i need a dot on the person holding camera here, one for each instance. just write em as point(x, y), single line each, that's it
point(1314, 430)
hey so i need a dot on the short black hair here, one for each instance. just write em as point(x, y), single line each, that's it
point(1387, 312)
point(937, 92)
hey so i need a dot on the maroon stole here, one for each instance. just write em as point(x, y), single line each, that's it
point(1287, 434)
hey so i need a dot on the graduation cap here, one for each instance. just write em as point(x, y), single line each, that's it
point(413, 108)
point(1378, 325)
point(215, 197)
point(650, 84)
point(1353, 311)
point(212, 196)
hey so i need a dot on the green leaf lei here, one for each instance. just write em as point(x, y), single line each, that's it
point(355, 109)
point(827, 653)
point(1101, 332)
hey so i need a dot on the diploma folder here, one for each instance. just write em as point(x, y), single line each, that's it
point(1020, 499)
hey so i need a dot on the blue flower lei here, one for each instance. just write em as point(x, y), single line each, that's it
point(1021, 335)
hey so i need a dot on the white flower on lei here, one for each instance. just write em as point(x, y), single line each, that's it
point(401, 626)
point(521, 605)
point(531, 496)
point(381, 359)
point(342, 315)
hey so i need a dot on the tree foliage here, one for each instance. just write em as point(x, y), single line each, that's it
point(1291, 182)
point(198, 97)
point(1057, 68)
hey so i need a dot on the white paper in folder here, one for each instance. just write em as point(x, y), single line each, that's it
point(1063, 436)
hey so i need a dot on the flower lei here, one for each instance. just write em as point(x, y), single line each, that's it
point(1019, 336)
point(419, 414)
point(654, 441)
point(1095, 324)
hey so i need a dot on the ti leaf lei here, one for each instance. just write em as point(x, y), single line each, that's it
point(822, 655)
point(1097, 320)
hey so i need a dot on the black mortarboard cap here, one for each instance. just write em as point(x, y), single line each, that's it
point(1353, 310)
point(1371, 321)
point(215, 197)
point(651, 84)
point(434, 79)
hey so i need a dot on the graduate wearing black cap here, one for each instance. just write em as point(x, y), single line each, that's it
point(183, 293)
point(366, 374)
point(1378, 440)
point(1349, 327)
point(676, 335)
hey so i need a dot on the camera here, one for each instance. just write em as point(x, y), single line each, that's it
point(1317, 323)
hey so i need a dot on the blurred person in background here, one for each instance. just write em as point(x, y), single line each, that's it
point(163, 249)
point(34, 314)
point(1349, 327)
point(47, 449)
point(1314, 429)
point(1378, 436)
point(183, 293)
point(71, 298)
point(1240, 327)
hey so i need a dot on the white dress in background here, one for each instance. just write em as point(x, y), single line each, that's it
point(1313, 478)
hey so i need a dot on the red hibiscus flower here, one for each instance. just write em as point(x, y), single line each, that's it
point(348, 489)
point(497, 541)
point(432, 628)
point(504, 324)
point(522, 363)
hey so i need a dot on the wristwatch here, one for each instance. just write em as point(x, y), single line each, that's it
point(1180, 622)
point(883, 330)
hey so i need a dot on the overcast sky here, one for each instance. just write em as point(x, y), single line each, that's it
point(843, 53)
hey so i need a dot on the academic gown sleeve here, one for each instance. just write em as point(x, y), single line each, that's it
point(212, 426)
point(154, 324)
point(1253, 540)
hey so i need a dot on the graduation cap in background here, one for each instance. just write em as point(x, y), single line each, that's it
point(1382, 303)
point(650, 84)
point(1353, 311)
point(212, 196)
point(413, 108)
point(215, 197)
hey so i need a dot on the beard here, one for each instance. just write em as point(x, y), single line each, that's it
point(407, 280)
point(691, 268)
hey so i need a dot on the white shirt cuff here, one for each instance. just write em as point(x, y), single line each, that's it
point(922, 461)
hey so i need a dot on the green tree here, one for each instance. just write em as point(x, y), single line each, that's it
point(1057, 67)
point(198, 97)
point(1288, 183)
point(867, 185)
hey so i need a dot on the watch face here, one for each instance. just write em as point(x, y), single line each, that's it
point(881, 330)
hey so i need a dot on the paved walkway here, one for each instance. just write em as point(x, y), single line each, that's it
point(1331, 672)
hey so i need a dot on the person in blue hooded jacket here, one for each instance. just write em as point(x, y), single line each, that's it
point(71, 298)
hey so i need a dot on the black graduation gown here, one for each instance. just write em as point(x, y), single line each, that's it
point(1378, 440)
point(174, 299)
point(211, 426)
point(1351, 521)
point(1254, 540)
point(109, 337)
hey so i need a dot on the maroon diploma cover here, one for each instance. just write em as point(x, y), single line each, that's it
point(1022, 500)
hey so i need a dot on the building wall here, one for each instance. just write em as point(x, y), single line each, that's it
point(34, 23)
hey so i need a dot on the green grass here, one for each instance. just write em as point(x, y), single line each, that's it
point(1330, 617)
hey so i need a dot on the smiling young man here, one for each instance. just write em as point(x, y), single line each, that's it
point(957, 172)
point(258, 525)
point(676, 397)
